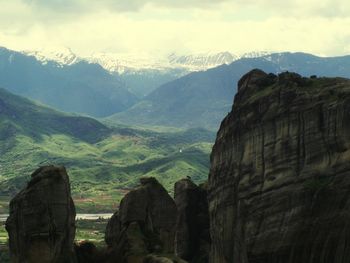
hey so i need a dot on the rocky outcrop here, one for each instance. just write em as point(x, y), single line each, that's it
point(41, 224)
point(144, 224)
point(279, 184)
point(192, 241)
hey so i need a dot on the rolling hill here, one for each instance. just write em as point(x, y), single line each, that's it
point(103, 162)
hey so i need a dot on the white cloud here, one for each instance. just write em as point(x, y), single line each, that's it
point(163, 26)
point(333, 8)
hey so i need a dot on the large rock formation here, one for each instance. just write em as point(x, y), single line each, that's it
point(41, 224)
point(279, 184)
point(192, 241)
point(144, 224)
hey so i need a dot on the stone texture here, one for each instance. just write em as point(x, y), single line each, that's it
point(41, 224)
point(159, 259)
point(279, 182)
point(144, 224)
point(192, 241)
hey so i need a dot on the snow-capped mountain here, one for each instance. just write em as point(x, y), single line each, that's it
point(132, 63)
point(255, 54)
point(126, 64)
point(201, 61)
point(141, 74)
point(62, 55)
point(123, 64)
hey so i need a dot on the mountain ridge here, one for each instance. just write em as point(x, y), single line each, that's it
point(81, 87)
point(21, 116)
point(202, 99)
point(132, 63)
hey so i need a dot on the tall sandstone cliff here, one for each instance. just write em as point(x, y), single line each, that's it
point(192, 239)
point(279, 184)
point(41, 224)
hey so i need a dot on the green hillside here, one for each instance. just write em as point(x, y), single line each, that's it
point(103, 162)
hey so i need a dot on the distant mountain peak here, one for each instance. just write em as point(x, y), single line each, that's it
point(61, 55)
point(256, 54)
point(133, 63)
point(121, 64)
point(126, 63)
point(202, 61)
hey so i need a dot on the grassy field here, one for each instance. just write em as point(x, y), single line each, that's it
point(92, 230)
point(103, 161)
point(4, 256)
point(102, 172)
point(3, 234)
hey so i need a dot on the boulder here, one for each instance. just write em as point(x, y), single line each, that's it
point(41, 224)
point(144, 224)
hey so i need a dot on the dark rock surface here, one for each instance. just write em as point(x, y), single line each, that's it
point(144, 224)
point(41, 224)
point(279, 184)
point(158, 259)
point(192, 240)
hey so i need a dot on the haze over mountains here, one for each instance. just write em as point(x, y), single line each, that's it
point(132, 63)
point(80, 87)
point(202, 99)
point(142, 74)
point(178, 91)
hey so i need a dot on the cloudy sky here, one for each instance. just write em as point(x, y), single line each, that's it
point(159, 27)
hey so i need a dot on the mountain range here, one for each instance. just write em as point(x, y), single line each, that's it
point(80, 87)
point(133, 63)
point(202, 99)
point(100, 85)
point(177, 91)
point(142, 74)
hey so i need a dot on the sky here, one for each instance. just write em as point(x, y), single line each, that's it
point(161, 27)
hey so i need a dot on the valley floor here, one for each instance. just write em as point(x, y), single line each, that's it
point(87, 229)
point(102, 172)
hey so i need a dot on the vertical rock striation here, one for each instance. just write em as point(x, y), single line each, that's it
point(41, 224)
point(192, 240)
point(279, 182)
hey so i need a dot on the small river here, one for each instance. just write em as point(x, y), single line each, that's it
point(3, 217)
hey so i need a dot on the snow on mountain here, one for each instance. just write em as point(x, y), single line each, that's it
point(189, 63)
point(131, 64)
point(62, 56)
point(202, 61)
point(210, 60)
point(122, 64)
point(255, 54)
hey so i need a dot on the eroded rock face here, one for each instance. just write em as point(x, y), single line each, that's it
point(41, 224)
point(159, 259)
point(279, 184)
point(144, 224)
point(192, 241)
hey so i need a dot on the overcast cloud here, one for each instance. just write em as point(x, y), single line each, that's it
point(184, 26)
